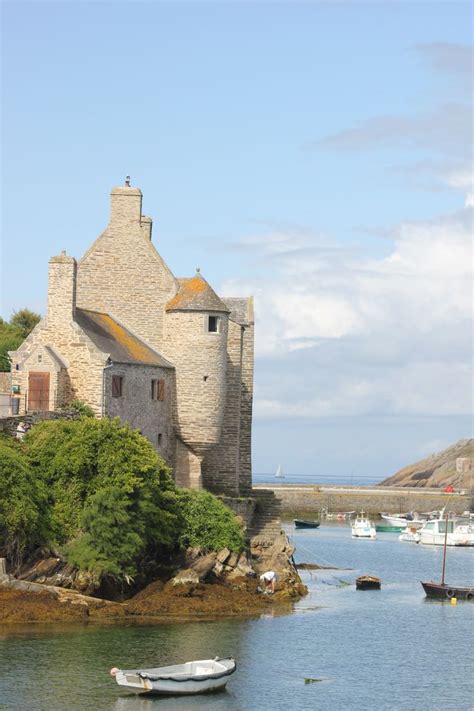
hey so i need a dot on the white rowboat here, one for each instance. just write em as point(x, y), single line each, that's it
point(198, 677)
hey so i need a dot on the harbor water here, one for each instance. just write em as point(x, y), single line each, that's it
point(390, 649)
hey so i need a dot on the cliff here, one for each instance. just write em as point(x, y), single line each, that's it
point(438, 470)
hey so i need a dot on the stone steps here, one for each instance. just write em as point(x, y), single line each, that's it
point(266, 524)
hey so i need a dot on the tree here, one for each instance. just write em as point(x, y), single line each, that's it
point(104, 477)
point(24, 321)
point(23, 522)
point(207, 523)
point(14, 333)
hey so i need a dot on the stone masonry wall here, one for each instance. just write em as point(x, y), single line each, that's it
point(312, 499)
point(123, 275)
point(246, 406)
point(221, 465)
point(200, 361)
point(151, 417)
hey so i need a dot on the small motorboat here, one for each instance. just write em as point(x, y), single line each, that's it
point(388, 529)
point(402, 520)
point(362, 527)
point(449, 530)
point(410, 534)
point(197, 677)
point(368, 582)
point(300, 523)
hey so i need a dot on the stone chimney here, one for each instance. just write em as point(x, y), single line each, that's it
point(126, 205)
point(147, 224)
point(62, 288)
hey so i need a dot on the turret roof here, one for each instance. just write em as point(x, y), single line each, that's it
point(195, 294)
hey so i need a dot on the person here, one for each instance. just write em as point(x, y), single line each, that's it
point(20, 430)
point(268, 579)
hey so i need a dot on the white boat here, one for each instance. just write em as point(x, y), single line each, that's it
point(279, 473)
point(458, 533)
point(197, 677)
point(411, 519)
point(362, 527)
point(410, 534)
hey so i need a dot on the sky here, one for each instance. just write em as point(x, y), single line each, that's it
point(317, 155)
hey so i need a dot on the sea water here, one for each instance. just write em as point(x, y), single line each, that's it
point(387, 650)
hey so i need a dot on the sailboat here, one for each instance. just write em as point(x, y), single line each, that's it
point(443, 591)
point(279, 473)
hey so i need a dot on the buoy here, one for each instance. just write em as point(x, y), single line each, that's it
point(454, 600)
point(114, 671)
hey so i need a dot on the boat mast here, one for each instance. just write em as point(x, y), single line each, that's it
point(444, 551)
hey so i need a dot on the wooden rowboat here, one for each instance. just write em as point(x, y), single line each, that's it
point(446, 592)
point(368, 582)
point(199, 677)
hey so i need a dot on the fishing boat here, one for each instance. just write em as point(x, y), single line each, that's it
point(300, 523)
point(368, 582)
point(402, 520)
point(388, 529)
point(452, 531)
point(196, 677)
point(279, 473)
point(362, 527)
point(410, 534)
point(441, 590)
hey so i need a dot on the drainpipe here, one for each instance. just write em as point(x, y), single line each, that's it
point(109, 365)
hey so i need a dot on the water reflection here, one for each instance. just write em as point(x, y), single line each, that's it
point(66, 668)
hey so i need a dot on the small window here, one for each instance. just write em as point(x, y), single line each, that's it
point(213, 324)
point(117, 385)
point(157, 389)
point(40, 357)
point(160, 439)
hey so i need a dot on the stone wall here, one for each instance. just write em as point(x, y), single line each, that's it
point(123, 275)
point(371, 500)
point(5, 382)
point(200, 361)
point(135, 406)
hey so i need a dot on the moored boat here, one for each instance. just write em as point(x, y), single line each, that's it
point(362, 527)
point(368, 582)
point(443, 591)
point(449, 531)
point(402, 520)
point(196, 677)
point(388, 529)
point(301, 523)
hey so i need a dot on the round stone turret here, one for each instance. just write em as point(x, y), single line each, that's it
point(195, 340)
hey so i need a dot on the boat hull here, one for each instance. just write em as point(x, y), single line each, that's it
point(306, 524)
point(389, 529)
point(446, 592)
point(184, 682)
point(368, 582)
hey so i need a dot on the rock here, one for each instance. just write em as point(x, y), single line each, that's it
point(184, 577)
point(203, 565)
point(223, 555)
point(233, 560)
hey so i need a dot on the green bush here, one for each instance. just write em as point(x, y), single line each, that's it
point(22, 505)
point(112, 497)
point(207, 523)
point(81, 408)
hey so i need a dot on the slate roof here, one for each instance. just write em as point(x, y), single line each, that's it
point(241, 310)
point(195, 294)
point(111, 337)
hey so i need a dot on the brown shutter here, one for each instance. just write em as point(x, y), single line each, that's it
point(161, 389)
point(116, 386)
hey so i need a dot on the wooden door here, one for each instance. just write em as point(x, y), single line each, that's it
point(38, 391)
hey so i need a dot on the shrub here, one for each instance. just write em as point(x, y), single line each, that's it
point(22, 505)
point(110, 493)
point(207, 523)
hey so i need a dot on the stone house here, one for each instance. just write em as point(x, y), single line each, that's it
point(167, 355)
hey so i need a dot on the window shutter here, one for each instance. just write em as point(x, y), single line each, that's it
point(161, 389)
point(116, 386)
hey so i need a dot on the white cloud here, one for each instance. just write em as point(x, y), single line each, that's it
point(348, 334)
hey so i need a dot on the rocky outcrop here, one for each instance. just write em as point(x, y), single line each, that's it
point(438, 470)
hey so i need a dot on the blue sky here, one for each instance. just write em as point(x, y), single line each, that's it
point(314, 154)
